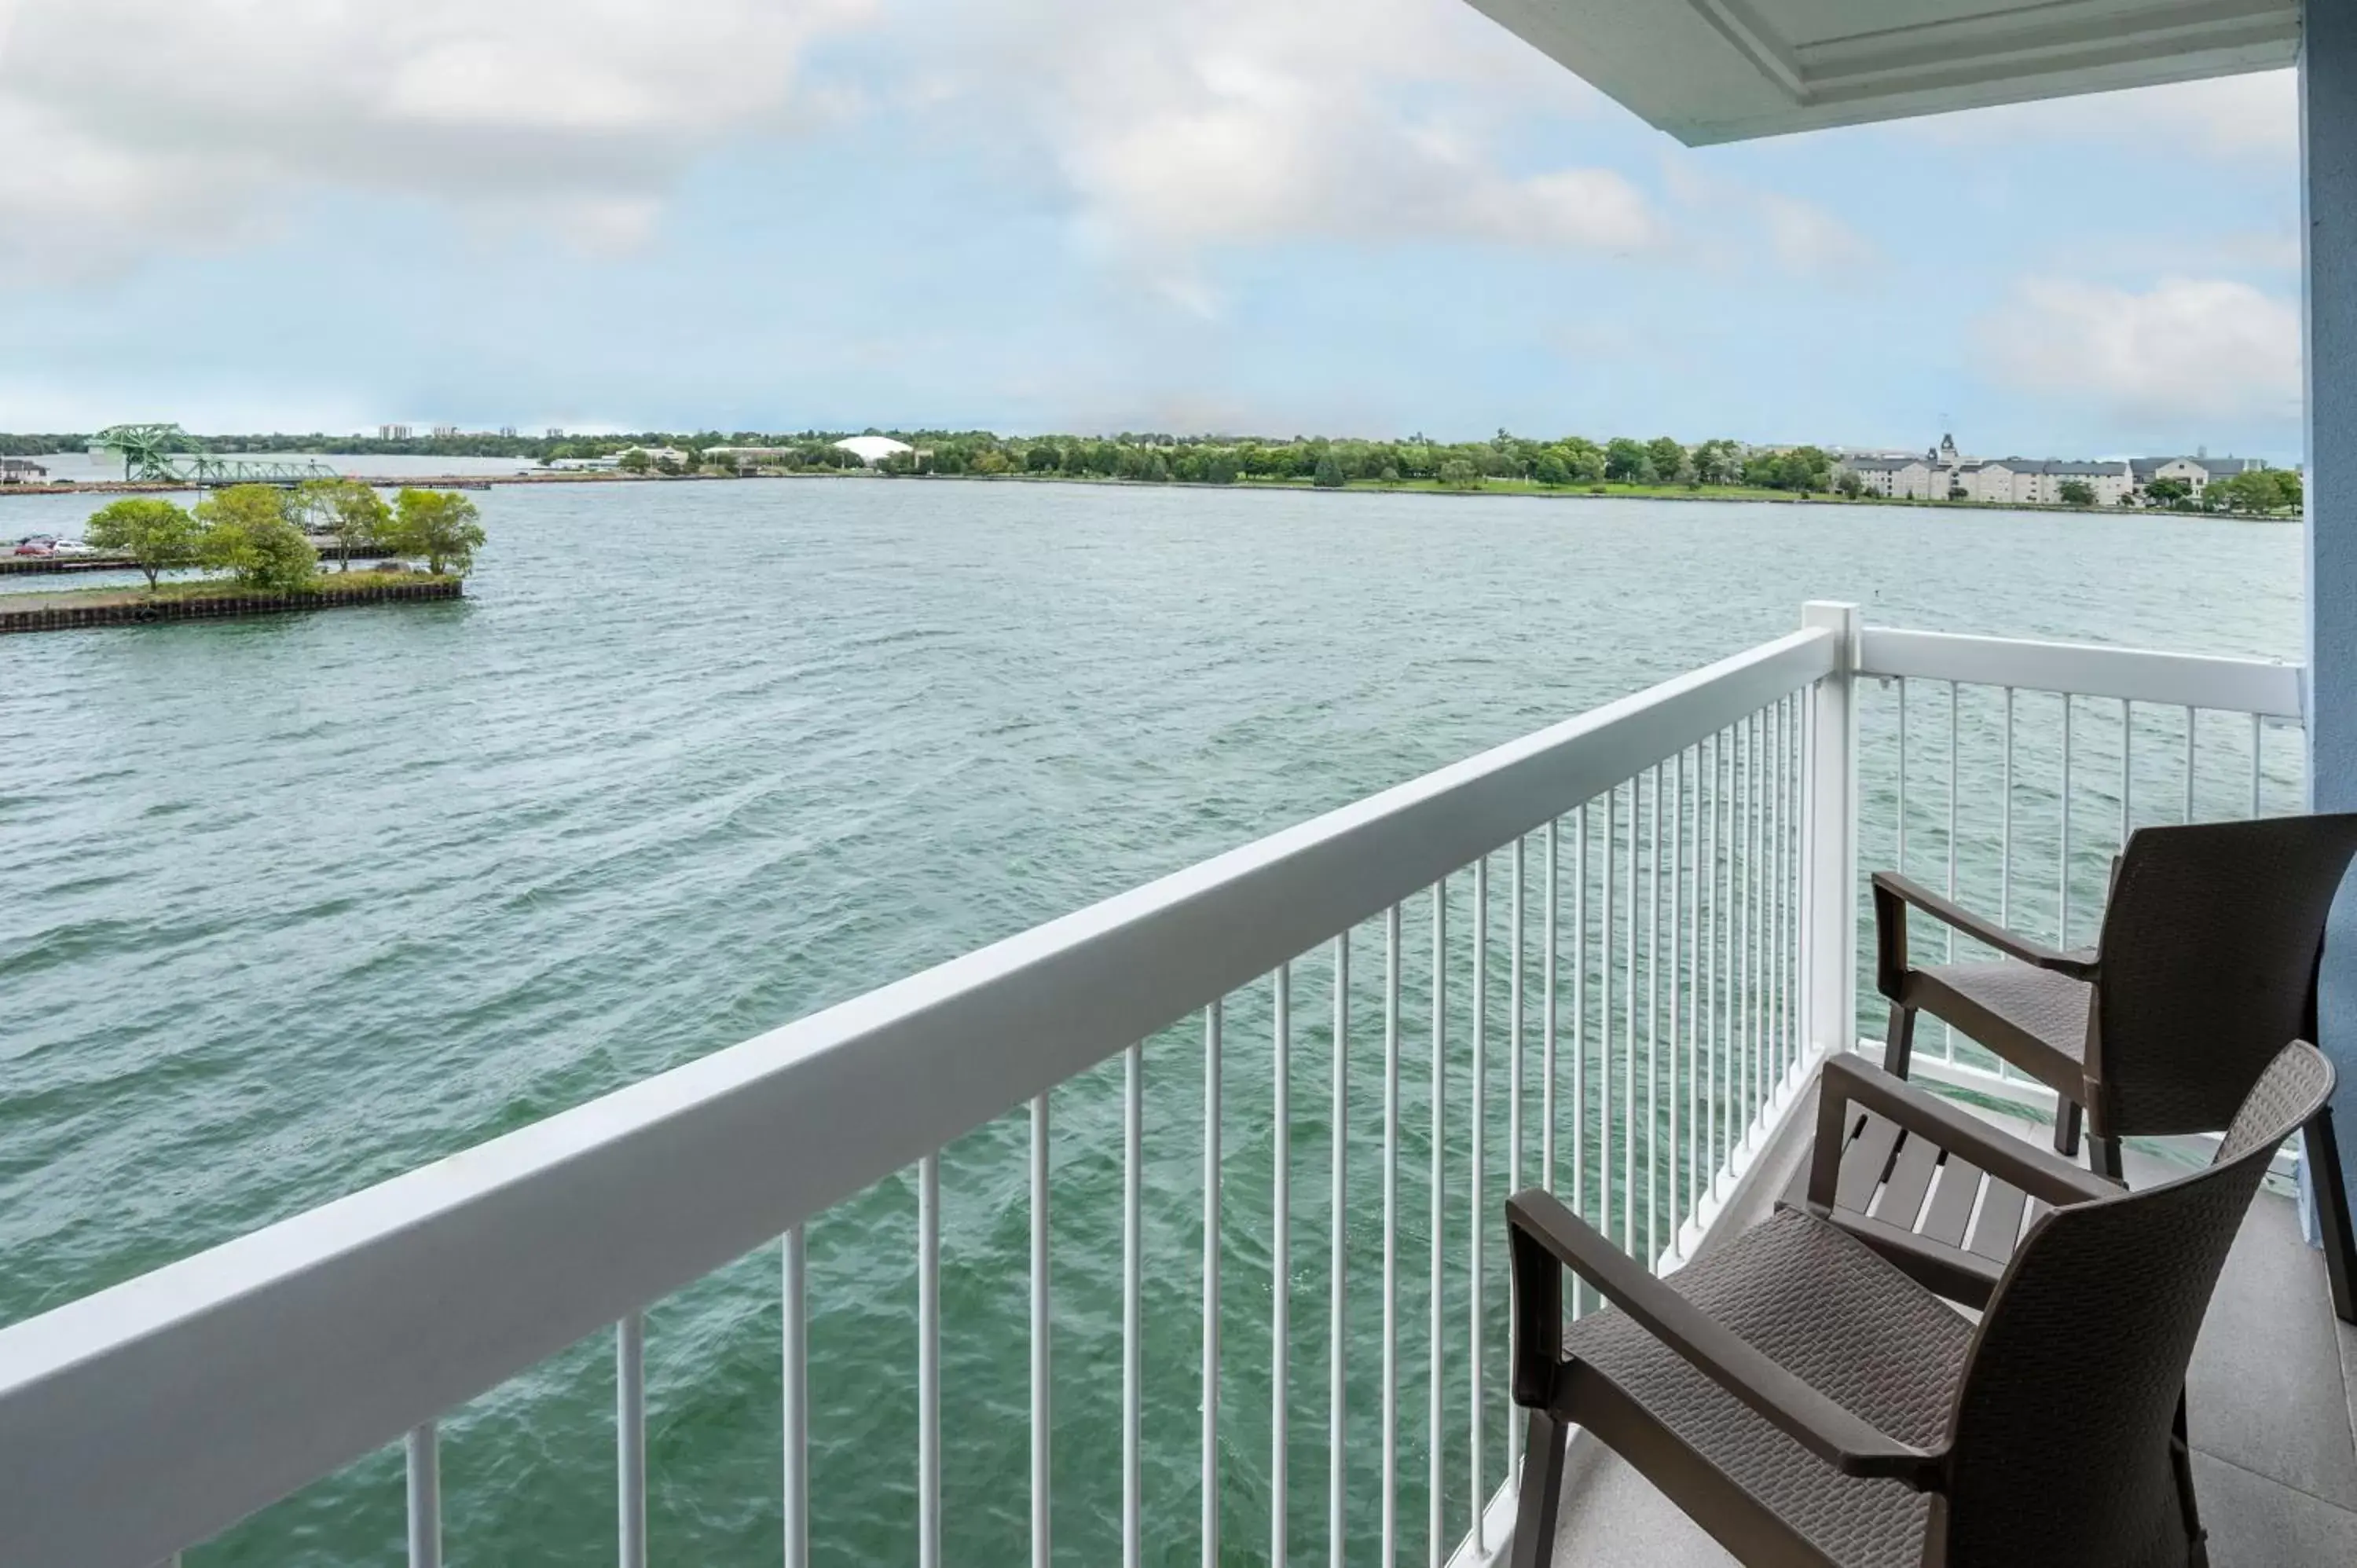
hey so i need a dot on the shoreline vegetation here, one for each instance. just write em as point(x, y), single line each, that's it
point(257, 541)
point(1661, 469)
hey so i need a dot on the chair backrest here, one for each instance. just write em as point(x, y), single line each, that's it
point(2208, 960)
point(2061, 1431)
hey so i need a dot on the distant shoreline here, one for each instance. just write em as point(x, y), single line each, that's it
point(1518, 487)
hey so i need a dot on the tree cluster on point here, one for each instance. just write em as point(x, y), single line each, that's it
point(261, 535)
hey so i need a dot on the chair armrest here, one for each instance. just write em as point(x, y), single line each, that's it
point(1893, 892)
point(1548, 1238)
point(1850, 1080)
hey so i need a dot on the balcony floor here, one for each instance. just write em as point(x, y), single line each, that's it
point(2273, 1413)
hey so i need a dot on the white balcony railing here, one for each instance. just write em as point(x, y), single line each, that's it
point(1619, 946)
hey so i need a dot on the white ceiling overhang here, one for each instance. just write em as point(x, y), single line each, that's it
point(1722, 70)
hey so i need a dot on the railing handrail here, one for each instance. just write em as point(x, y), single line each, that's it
point(2087, 669)
point(163, 1409)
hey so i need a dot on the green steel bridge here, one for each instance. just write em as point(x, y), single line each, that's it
point(166, 453)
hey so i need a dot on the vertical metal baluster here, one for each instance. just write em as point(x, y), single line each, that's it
point(1740, 947)
point(630, 1439)
point(2005, 824)
point(1681, 1156)
point(1757, 961)
point(1477, 1230)
point(1132, 1305)
point(2063, 873)
point(1338, 1262)
point(2257, 732)
point(1653, 1024)
point(1435, 1411)
point(1604, 1020)
point(794, 1282)
point(1629, 1035)
point(1706, 1004)
point(1213, 1017)
point(424, 1496)
point(1772, 954)
point(1947, 1035)
point(1579, 1035)
point(1773, 957)
point(1514, 1104)
point(1796, 753)
point(1899, 863)
point(1280, 1262)
point(2128, 780)
point(1391, 1233)
point(1514, 1029)
point(1547, 1022)
point(1042, 1489)
point(2189, 721)
point(929, 1361)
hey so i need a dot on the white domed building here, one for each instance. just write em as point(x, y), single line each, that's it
point(873, 449)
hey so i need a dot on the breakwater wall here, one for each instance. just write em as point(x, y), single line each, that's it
point(144, 612)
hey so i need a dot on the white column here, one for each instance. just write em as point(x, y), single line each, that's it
point(2329, 190)
point(1829, 887)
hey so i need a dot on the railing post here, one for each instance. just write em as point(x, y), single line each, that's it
point(1829, 891)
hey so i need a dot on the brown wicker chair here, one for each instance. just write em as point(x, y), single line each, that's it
point(1810, 1406)
point(2205, 965)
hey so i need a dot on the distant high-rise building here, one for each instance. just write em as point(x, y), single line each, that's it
point(556, 432)
point(508, 431)
point(392, 433)
point(441, 430)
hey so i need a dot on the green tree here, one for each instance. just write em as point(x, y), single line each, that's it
point(353, 512)
point(1457, 474)
point(1551, 469)
point(156, 534)
point(2076, 492)
point(1850, 484)
point(1717, 462)
point(636, 461)
point(442, 526)
point(1330, 475)
point(2168, 492)
point(1669, 458)
point(1627, 462)
point(1043, 459)
point(248, 534)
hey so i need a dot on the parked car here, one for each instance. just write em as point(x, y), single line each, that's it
point(38, 544)
point(76, 547)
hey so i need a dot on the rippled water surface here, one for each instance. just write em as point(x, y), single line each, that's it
point(291, 905)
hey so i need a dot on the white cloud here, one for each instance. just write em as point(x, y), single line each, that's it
point(2186, 349)
point(2228, 117)
point(1180, 128)
point(1731, 219)
point(130, 125)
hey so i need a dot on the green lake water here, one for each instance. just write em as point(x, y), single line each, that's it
point(289, 906)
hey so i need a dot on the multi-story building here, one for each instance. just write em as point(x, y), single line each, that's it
point(392, 433)
point(1945, 474)
point(2196, 471)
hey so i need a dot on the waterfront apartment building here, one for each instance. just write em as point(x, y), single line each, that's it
point(1945, 474)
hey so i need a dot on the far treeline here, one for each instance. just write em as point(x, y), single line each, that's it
point(1210, 459)
point(261, 534)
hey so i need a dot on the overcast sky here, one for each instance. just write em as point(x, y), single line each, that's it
point(1365, 217)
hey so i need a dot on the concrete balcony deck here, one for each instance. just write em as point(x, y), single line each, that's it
point(2273, 1410)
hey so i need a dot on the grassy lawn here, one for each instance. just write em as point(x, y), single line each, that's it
point(1532, 487)
point(192, 588)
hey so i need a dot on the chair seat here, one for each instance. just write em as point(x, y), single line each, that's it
point(1834, 1315)
point(2033, 1017)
